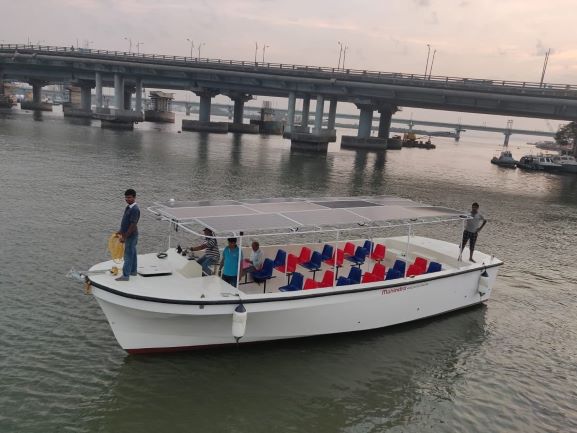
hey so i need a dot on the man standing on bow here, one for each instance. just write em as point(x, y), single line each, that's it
point(472, 228)
point(128, 235)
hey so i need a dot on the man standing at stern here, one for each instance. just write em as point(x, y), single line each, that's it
point(128, 234)
point(472, 228)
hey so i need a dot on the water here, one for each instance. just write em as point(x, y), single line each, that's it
point(508, 366)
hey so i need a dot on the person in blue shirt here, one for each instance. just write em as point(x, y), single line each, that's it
point(229, 262)
point(128, 235)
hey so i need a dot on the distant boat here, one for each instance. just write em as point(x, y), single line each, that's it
point(567, 162)
point(505, 159)
point(538, 163)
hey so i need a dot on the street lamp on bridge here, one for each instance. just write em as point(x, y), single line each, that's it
point(191, 46)
point(264, 47)
point(199, 47)
point(126, 38)
point(138, 44)
point(427, 64)
point(432, 61)
point(345, 55)
point(340, 53)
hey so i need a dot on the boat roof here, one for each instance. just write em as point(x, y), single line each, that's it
point(299, 214)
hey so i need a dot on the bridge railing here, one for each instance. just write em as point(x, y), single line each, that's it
point(322, 72)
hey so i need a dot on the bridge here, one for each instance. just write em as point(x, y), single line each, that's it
point(370, 91)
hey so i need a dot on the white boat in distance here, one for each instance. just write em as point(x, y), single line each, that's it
point(364, 280)
point(567, 162)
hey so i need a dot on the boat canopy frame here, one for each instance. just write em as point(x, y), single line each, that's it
point(286, 216)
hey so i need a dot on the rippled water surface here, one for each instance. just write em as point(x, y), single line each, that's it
point(507, 366)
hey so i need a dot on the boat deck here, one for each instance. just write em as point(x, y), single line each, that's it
point(175, 277)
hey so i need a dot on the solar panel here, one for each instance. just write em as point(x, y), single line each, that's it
point(234, 216)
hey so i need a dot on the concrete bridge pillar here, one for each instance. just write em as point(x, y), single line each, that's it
point(363, 140)
point(507, 137)
point(305, 112)
point(237, 124)
point(85, 97)
point(36, 104)
point(319, 114)
point(98, 91)
point(365, 121)
point(118, 91)
point(386, 112)
point(205, 101)
point(5, 101)
point(203, 124)
point(138, 107)
point(290, 113)
point(332, 115)
point(128, 91)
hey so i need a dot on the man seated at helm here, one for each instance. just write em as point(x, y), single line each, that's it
point(211, 255)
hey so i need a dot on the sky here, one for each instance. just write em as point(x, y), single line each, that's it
point(494, 39)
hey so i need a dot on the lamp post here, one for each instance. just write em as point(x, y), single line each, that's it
point(191, 46)
point(138, 44)
point(264, 47)
point(428, 54)
point(432, 61)
point(255, 50)
point(126, 38)
point(199, 47)
point(345, 55)
point(340, 53)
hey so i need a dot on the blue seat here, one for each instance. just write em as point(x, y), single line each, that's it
point(343, 281)
point(280, 258)
point(355, 275)
point(315, 263)
point(265, 273)
point(295, 284)
point(327, 252)
point(400, 266)
point(368, 246)
point(434, 267)
point(393, 274)
point(359, 257)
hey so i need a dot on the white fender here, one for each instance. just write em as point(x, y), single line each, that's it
point(239, 318)
point(484, 282)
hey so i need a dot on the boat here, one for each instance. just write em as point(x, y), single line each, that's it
point(505, 159)
point(538, 163)
point(568, 163)
point(361, 280)
point(410, 140)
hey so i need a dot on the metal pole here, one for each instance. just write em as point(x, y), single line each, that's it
point(432, 61)
point(255, 51)
point(345, 55)
point(427, 64)
point(340, 53)
point(239, 260)
point(263, 51)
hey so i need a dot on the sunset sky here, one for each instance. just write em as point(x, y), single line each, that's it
point(498, 39)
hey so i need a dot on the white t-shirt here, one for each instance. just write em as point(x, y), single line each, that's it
point(257, 258)
point(472, 225)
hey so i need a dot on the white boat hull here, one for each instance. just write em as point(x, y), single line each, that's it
point(148, 326)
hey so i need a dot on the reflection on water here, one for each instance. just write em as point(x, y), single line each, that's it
point(309, 385)
point(62, 370)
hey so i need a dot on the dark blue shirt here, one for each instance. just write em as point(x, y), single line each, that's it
point(131, 216)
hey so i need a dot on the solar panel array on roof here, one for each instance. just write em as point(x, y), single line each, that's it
point(234, 216)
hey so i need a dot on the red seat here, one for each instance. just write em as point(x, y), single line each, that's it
point(350, 249)
point(310, 284)
point(340, 259)
point(304, 256)
point(420, 262)
point(379, 271)
point(379, 253)
point(369, 278)
point(415, 270)
point(327, 280)
point(291, 265)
